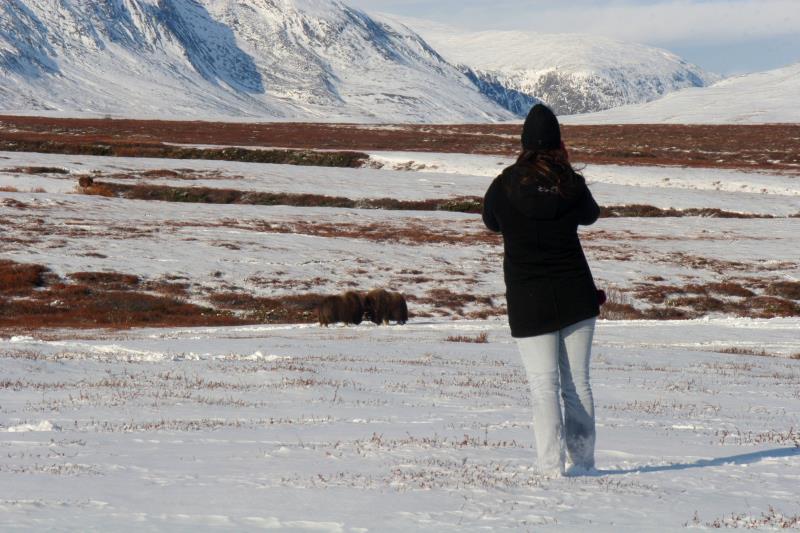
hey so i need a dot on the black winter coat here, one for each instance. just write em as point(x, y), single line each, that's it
point(548, 282)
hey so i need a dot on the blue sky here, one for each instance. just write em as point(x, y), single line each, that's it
point(723, 36)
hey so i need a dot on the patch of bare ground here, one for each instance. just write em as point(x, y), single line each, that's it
point(412, 231)
point(456, 303)
point(481, 338)
point(32, 297)
point(36, 170)
point(739, 350)
point(784, 289)
point(730, 297)
point(289, 309)
point(771, 519)
point(90, 145)
point(13, 203)
point(31, 229)
point(740, 437)
point(649, 211)
point(207, 195)
point(462, 204)
point(750, 147)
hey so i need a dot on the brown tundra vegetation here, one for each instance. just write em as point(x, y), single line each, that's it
point(767, 147)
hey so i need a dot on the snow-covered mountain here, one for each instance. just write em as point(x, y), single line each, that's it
point(305, 60)
point(572, 73)
point(759, 98)
point(271, 59)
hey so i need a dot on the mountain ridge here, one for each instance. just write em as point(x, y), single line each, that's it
point(768, 97)
point(276, 59)
point(312, 60)
point(573, 73)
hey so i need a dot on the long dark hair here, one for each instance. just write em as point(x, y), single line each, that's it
point(550, 169)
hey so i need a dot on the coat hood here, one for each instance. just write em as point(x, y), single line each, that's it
point(532, 199)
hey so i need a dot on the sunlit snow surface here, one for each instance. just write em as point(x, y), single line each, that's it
point(302, 428)
point(389, 429)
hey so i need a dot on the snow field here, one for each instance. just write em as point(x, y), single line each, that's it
point(301, 428)
point(420, 176)
point(305, 429)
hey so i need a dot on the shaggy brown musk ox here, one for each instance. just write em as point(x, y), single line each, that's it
point(347, 308)
point(381, 306)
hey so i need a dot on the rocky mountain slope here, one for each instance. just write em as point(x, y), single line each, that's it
point(271, 59)
point(305, 60)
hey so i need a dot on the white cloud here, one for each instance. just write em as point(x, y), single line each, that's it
point(647, 21)
point(685, 21)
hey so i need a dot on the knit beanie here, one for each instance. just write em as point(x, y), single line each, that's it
point(541, 130)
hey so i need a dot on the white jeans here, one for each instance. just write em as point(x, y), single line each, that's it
point(561, 357)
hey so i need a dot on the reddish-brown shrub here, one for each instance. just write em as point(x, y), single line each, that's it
point(612, 310)
point(106, 280)
point(785, 289)
point(39, 170)
point(289, 309)
point(730, 288)
point(17, 278)
point(699, 304)
point(769, 307)
point(481, 338)
point(42, 300)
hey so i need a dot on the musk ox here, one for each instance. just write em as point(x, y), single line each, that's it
point(347, 308)
point(381, 306)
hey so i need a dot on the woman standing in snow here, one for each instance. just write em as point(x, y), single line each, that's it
point(538, 203)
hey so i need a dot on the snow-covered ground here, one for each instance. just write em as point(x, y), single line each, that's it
point(280, 250)
point(390, 429)
point(301, 428)
point(758, 98)
point(421, 176)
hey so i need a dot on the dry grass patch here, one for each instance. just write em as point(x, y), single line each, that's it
point(481, 338)
point(454, 302)
point(106, 280)
point(37, 170)
point(768, 307)
point(649, 211)
point(289, 309)
point(16, 278)
point(694, 300)
point(784, 289)
point(771, 519)
point(730, 288)
point(32, 297)
point(739, 350)
point(208, 195)
point(462, 204)
point(771, 147)
point(79, 306)
point(619, 306)
point(89, 145)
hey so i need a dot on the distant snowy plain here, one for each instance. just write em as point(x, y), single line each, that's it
point(302, 428)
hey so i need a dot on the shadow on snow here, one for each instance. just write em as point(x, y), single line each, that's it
point(741, 459)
